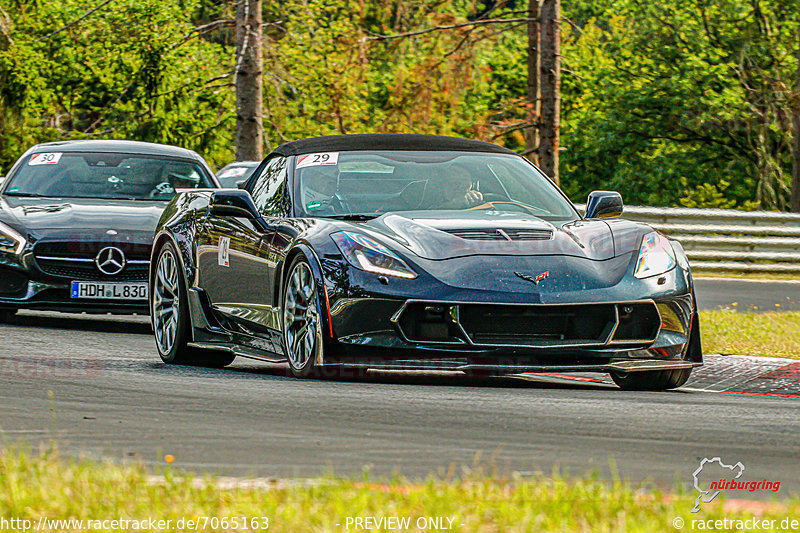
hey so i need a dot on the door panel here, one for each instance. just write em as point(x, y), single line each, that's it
point(270, 196)
point(241, 276)
point(239, 282)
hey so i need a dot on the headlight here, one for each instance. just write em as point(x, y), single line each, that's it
point(10, 241)
point(368, 254)
point(655, 256)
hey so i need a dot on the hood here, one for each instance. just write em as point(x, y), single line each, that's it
point(439, 235)
point(88, 218)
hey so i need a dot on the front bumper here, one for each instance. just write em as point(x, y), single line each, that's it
point(632, 326)
point(637, 329)
point(31, 289)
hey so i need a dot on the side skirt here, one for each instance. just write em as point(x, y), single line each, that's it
point(240, 351)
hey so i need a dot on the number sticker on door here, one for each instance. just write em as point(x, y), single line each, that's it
point(223, 256)
point(314, 160)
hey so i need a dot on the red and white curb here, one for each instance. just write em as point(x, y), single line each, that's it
point(730, 374)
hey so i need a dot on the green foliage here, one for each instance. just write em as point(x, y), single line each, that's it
point(707, 195)
point(683, 94)
point(329, 74)
point(672, 103)
point(126, 71)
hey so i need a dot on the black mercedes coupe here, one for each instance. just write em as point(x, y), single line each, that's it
point(77, 220)
point(418, 252)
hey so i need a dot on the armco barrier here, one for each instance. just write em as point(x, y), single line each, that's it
point(725, 240)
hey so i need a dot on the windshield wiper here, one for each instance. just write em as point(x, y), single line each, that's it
point(355, 216)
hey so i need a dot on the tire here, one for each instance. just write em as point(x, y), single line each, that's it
point(655, 380)
point(303, 344)
point(169, 307)
point(6, 315)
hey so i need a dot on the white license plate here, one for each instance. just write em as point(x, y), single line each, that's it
point(98, 290)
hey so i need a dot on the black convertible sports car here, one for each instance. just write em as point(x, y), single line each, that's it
point(77, 221)
point(418, 252)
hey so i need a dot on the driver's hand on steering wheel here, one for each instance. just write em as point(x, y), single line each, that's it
point(473, 197)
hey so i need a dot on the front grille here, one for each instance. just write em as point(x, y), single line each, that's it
point(541, 326)
point(75, 260)
point(537, 325)
point(502, 234)
point(89, 249)
point(89, 272)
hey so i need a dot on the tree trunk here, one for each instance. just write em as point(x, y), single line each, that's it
point(5, 30)
point(248, 75)
point(550, 80)
point(532, 99)
point(796, 116)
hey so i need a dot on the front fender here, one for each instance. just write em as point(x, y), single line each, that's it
point(308, 251)
point(178, 225)
point(694, 349)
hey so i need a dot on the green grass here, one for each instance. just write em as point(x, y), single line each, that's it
point(32, 487)
point(769, 334)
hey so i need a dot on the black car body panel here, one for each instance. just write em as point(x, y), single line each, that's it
point(64, 235)
point(476, 291)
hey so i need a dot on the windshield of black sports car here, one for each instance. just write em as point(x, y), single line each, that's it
point(366, 184)
point(105, 175)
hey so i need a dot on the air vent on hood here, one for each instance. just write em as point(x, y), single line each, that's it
point(502, 234)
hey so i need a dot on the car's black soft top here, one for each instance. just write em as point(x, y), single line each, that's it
point(386, 141)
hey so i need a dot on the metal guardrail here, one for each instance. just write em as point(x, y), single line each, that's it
point(725, 240)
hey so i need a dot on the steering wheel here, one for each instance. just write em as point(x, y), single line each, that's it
point(489, 197)
point(339, 204)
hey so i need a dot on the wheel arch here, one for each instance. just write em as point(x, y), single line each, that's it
point(161, 239)
point(694, 351)
point(305, 249)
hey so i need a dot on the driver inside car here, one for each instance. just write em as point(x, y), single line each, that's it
point(182, 178)
point(176, 178)
point(319, 191)
point(455, 191)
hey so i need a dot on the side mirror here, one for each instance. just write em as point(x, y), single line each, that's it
point(238, 204)
point(604, 204)
point(241, 184)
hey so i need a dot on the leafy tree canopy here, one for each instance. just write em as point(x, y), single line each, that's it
point(672, 103)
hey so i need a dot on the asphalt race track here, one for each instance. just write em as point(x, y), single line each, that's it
point(96, 387)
